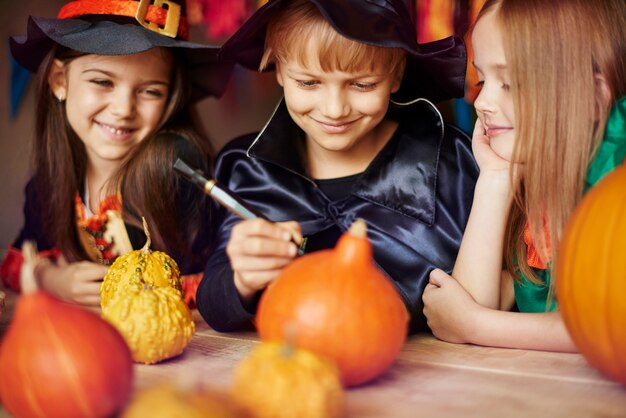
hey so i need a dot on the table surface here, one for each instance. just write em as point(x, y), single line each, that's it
point(430, 378)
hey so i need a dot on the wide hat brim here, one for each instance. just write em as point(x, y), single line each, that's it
point(434, 70)
point(208, 76)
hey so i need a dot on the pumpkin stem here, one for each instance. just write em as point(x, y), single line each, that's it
point(353, 246)
point(358, 229)
point(28, 283)
point(146, 248)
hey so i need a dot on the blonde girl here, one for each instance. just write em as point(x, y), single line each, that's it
point(550, 125)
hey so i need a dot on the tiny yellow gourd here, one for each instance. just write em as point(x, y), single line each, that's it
point(279, 381)
point(167, 400)
point(137, 267)
point(155, 322)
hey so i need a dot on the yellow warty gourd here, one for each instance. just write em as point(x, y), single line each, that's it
point(155, 322)
point(142, 297)
point(132, 270)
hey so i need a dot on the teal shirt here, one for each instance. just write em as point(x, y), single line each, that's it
point(531, 297)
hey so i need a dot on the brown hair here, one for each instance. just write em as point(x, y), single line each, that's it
point(61, 160)
point(555, 52)
point(299, 21)
point(178, 215)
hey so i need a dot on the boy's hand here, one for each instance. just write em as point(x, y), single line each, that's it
point(258, 251)
point(77, 282)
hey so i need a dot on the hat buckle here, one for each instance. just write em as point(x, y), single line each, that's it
point(172, 19)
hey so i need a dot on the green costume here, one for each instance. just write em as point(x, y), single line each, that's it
point(531, 297)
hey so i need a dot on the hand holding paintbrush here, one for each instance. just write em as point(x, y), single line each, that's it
point(225, 197)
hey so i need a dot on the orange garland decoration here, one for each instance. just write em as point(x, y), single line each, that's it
point(96, 223)
point(533, 258)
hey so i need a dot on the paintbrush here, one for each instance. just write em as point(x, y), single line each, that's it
point(224, 196)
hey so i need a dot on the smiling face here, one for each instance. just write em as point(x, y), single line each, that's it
point(494, 104)
point(113, 102)
point(339, 111)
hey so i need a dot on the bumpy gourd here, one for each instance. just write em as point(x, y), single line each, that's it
point(130, 271)
point(341, 307)
point(591, 275)
point(168, 400)
point(278, 381)
point(155, 322)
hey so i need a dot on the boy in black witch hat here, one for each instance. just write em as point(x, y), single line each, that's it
point(111, 75)
point(355, 137)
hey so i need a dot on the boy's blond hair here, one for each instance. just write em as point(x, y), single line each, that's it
point(291, 30)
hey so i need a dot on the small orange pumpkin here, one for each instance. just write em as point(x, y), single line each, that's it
point(591, 275)
point(340, 306)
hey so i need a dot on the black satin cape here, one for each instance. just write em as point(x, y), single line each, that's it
point(415, 196)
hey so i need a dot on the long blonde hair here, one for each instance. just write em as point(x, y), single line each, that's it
point(557, 52)
point(299, 21)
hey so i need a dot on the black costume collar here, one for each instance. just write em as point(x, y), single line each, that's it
point(402, 177)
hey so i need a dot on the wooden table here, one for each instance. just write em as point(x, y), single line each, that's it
point(431, 378)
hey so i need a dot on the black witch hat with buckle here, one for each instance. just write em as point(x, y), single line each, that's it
point(434, 70)
point(122, 27)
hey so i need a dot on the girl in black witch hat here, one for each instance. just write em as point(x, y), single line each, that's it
point(111, 74)
point(356, 136)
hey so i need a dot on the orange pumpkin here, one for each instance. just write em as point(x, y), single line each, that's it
point(340, 306)
point(591, 275)
point(59, 360)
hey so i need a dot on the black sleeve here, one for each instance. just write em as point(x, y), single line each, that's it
point(33, 227)
point(192, 203)
point(217, 297)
